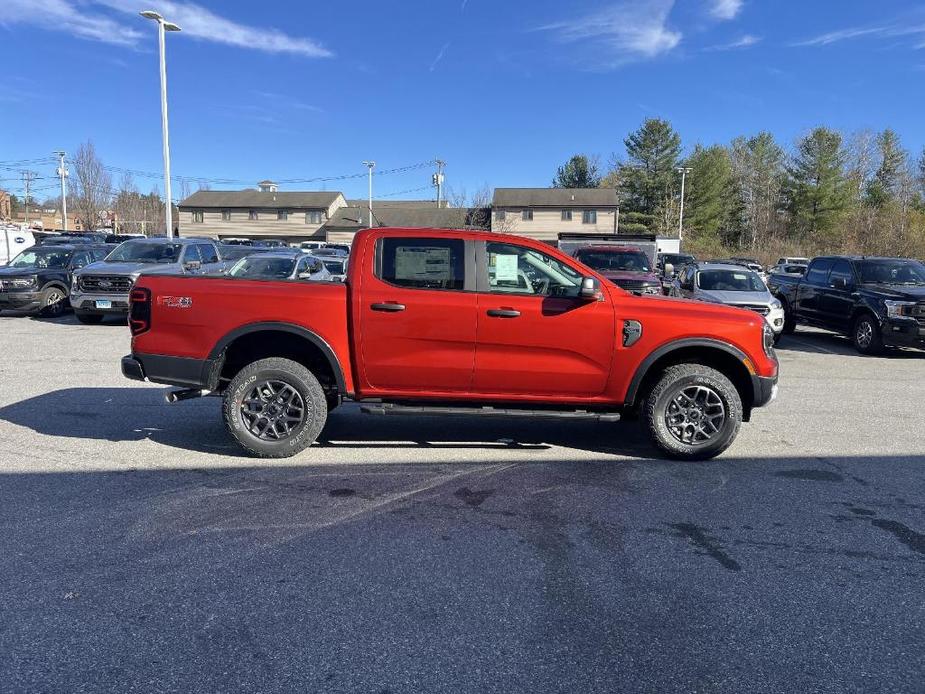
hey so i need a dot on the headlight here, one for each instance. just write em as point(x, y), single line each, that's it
point(73, 283)
point(768, 339)
point(652, 289)
point(134, 277)
point(898, 309)
point(22, 282)
point(776, 304)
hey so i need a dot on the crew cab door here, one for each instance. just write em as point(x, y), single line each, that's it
point(417, 316)
point(536, 336)
point(837, 302)
point(810, 290)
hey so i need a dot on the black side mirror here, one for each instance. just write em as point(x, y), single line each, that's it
point(590, 289)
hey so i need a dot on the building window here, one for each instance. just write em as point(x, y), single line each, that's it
point(252, 215)
point(313, 217)
point(566, 215)
point(197, 216)
point(589, 217)
point(526, 215)
point(282, 215)
point(226, 215)
point(499, 215)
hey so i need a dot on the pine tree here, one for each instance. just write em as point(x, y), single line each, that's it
point(888, 181)
point(817, 188)
point(647, 179)
point(711, 204)
point(578, 172)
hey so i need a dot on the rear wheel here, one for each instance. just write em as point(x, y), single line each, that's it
point(89, 318)
point(693, 412)
point(275, 408)
point(866, 336)
point(53, 301)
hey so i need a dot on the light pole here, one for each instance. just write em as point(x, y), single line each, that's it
point(370, 165)
point(62, 172)
point(683, 171)
point(163, 26)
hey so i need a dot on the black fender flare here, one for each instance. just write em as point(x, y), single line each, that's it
point(217, 355)
point(710, 343)
point(56, 283)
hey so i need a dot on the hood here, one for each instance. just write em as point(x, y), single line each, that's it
point(617, 275)
point(725, 297)
point(104, 268)
point(900, 292)
point(6, 271)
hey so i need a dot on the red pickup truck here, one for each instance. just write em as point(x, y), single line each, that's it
point(433, 322)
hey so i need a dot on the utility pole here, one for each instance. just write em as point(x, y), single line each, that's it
point(683, 171)
point(27, 177)
point(438, 179)
point(370, 165)
point(62, 172)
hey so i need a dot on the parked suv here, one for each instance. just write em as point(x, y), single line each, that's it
point(38, 279)
point(281, 265)
point(102, 288)
point(628, 267)
point(730, 284)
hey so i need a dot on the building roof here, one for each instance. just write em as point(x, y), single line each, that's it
point(392, 203)
point(356, 217)
point(554, 197)
point(257, 199)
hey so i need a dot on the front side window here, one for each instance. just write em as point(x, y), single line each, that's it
point(566, 215)
point(208, 253)
point(252, 215)
point(282, 215)
point(80, 259)
point(841, 271)
point(589, 217)
point(521, 270)
point(313, 217)
point(422, 263)
point(198, 216)
point(191, 254)
point(818, 272)
point(526, 215)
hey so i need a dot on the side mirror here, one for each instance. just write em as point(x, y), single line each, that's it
point(840, 283)
point(192, 265)
point(590, 289)
point(669, 269)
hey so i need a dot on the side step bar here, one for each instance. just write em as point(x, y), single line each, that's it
point(388, 408)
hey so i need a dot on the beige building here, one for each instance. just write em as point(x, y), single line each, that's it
point(262, 213)
point(544, 213)
point(347, 221)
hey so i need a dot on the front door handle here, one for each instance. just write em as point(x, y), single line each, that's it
point(503, 313)
point(388, 307)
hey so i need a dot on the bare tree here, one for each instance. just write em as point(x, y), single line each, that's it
point(92, 186)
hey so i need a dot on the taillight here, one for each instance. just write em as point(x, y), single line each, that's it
point(139, 317)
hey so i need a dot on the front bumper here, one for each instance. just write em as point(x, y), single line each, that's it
point(87, 303)
point(901, 332)
point(21, 301)
point(765, 388)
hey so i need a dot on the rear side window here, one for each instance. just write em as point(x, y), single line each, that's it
point(422, 263)
point(818, 272)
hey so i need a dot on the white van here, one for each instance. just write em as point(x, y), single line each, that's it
point(13, 241)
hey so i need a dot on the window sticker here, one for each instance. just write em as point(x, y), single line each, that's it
point(422, 263)
point(505, 267)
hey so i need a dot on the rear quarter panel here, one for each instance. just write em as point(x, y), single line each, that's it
point(219, 305)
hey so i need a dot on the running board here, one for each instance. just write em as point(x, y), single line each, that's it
point(392, 409)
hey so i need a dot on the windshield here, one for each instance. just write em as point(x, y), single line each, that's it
point(258, 267)
point(335, 266)
point(677, 259)
point(41, 258)
point(892, 272)
point(145, 252)
point(730, 281)
point(602, 261)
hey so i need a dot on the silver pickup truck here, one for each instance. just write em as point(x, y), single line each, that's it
point(102, 288)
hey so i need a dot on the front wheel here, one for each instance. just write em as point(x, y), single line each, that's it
point(866, 336)
point(790, 321)
point(275, 408)
point(53, 302)
point(693, 412)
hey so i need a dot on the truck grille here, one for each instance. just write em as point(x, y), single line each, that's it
point(106, 284)
point(918, 312)
point(630, 285)
point(757, 308)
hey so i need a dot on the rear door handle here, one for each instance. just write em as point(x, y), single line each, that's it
point(388, 307)
point(503, 313)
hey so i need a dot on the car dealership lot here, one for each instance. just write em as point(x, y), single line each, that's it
point(141, 551)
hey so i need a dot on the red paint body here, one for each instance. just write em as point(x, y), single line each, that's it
point(443, 346)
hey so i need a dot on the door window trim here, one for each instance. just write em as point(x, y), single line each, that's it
point(469, 264)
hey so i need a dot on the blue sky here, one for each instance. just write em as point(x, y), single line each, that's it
point(503, 91)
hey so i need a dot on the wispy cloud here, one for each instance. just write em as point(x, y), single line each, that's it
point(628, 31)
point(888, 31)
point(95, 20)
point(286, 101)
point(443, 50)
point(725, 9)
point(745, 41)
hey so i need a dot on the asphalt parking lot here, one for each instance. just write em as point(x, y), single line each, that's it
point(139, 551)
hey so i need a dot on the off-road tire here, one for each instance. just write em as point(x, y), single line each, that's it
point(89, 318)
point(873, 344)
point(54, 301)
point(277, 370)
point(669, 386)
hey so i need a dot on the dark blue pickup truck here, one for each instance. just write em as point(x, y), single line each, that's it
point(877, 302)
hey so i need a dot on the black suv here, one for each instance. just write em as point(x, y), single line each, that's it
point(38, 280)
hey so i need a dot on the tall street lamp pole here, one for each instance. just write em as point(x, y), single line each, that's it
point(164, 26)
point(62, 172)
point(370, 165)
point(683, 171)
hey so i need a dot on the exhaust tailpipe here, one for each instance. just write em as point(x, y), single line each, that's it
point(185, 394)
